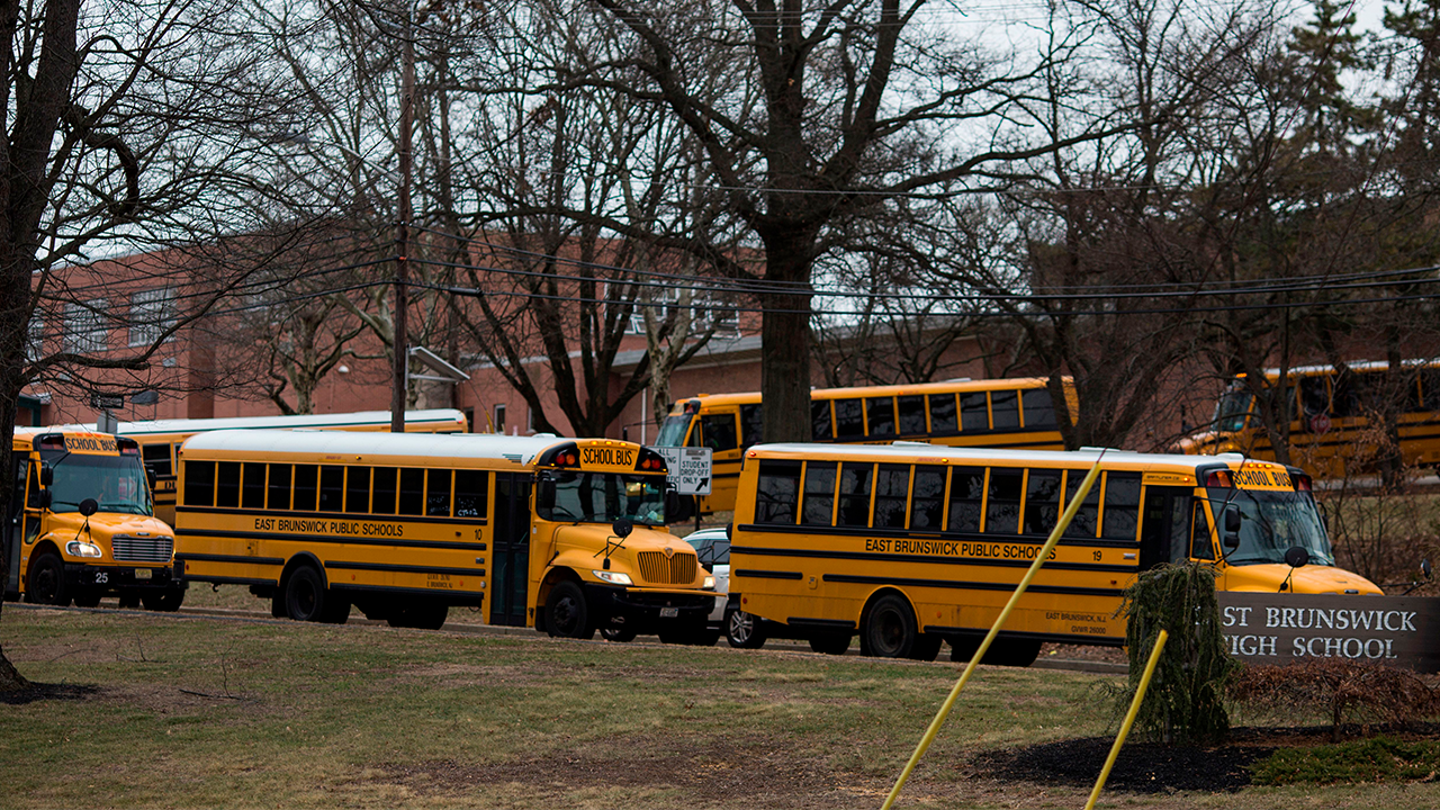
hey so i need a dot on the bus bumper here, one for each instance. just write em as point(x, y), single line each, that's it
point(117, 578)
point(647, 611)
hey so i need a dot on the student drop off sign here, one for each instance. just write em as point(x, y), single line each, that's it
point(1264, 628)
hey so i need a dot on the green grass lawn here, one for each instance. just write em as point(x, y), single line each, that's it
point(175, 711)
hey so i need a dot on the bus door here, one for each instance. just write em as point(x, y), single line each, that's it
point(510, 550)
point(11, 536)
point(1165, 532)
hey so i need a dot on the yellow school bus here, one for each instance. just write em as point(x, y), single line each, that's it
point(565, 535)
point(1332, 426)
point(160, 439)
point(79, 524)
point(912, 544)
point(1016, 413)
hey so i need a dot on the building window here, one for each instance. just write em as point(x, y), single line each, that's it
point(85, 326)
point(35, 337)
point(152, 312)
point(499, 418)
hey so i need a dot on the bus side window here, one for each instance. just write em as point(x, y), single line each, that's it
point(880, 417)
point(942, 413)
point(1042, 501)
point(470, 493)
point(437, 493)
point(911, 415)
point(1314, 398)
point(818, 506)
point(305, 491)
point(927, 503)
point(412, 491)
point(1037, 409)
point(1085, 522)
point(357, 489)
point(1430, 388)
point(1002, 501)
point(199, 483)
point(1005, 409)
point(252, 493)
point(777, 492)
point(967, 497)
point(849, 419)
point(820, 428)
point(856, 479)
point(974, 413)
point(719, 431)
point(1202, 546)
point(892, 489)
point(1179, 518)
point(382, 495)
point(1121, 517)
point(279, 497)
point(752, 426)
point(332, 488)
point(227, 483)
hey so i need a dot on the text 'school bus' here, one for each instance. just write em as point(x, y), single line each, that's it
point(79, 525)
point(160, 438)
point(566, 535)
point(914, 545)
point(1014, 413)
point(1331, 424)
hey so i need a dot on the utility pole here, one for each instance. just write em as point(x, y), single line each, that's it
point(402, 228)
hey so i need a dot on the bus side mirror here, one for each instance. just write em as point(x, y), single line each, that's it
point(545, 496)
point(150, 478)
point(89, 506)
point(45, 498)
point(47, 475)
point(676, 507)
point(1231, 536)
point(1297, 557)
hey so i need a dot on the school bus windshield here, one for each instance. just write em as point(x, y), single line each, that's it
point(1231, 410)
point(672, 431)
point(1271, 523)
point(590, 497)
point(117, 483)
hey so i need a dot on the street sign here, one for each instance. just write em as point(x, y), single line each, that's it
point(689, 468)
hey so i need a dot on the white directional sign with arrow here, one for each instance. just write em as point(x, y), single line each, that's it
point(689, 468)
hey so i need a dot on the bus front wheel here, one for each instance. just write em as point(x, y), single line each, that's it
point(46, 584)
point(889, 630)
point(567, 615)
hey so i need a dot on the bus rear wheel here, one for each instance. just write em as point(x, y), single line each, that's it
point(46, 583)
point(567, 615)
point(889, 629)
point(308, 600)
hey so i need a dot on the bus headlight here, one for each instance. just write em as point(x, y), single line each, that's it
point(80, 548)
point(614, 577)
point(709, 583)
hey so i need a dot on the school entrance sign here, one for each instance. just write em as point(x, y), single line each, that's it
point(689, 468)
point(1280, 628)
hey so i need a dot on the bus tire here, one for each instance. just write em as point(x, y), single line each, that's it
point(46, 583)
point(830, 643)
point(744, 631)
point(567, 615)
point(889, 630)
point(164, 602)
point(308, 600)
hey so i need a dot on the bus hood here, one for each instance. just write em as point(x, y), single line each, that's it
point(1267, 578)
point(649, 556)
point(105, 527)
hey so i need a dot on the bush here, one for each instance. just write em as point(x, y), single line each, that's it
point(1185, 699)
point(1374, 760)
point(1339, 689)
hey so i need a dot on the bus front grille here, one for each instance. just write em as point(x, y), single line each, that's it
point(143, 549)
point(677, 570)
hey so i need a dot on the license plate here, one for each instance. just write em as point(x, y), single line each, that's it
point(669, 613)
point(143, 573)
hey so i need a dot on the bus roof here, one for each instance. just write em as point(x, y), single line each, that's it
point(906, 452)
point(315, 421)
point(965, 384)
point(351, 447)
point(1358, 366)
